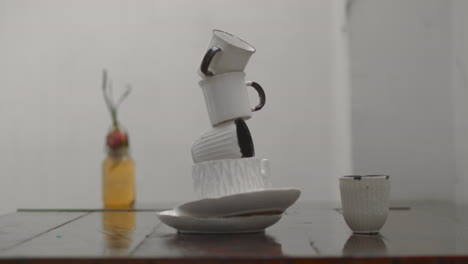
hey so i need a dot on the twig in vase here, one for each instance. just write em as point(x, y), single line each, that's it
point(107, 88)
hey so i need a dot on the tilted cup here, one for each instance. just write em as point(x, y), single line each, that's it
point(226, 53)
point(229, 140)
point(216, 178)
point(226, 97)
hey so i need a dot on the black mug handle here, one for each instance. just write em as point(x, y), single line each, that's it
point(261, 94)
point(209, 55)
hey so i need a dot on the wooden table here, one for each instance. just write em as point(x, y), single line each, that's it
point(308, 233)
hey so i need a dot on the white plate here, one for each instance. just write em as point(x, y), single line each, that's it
point(230, 225)
point(268, 201)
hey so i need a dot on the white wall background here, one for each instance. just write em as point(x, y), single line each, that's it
point(460, 94)
point(401, 99)
point(397, 108)
point(54, 119)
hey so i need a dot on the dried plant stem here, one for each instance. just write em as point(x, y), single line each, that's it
point(107, 89)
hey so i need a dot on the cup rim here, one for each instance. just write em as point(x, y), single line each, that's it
point(246, 46)
point(365, 177)
point(221, 75)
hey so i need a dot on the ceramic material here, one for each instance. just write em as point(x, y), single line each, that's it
point(216, 178)
point(226, 53)
point(229, 140)
point(230, 225)
point(365, 202)
point(269, 201)
point(226, 97)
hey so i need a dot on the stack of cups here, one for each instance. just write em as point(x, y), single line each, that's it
point(224, 157)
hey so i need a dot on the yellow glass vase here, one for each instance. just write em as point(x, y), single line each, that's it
point(118, 182)
point(118, 173)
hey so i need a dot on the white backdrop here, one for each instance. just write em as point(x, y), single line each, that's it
point(406, 120)
point(460, 95)
point(401, 96)
point(54, 119)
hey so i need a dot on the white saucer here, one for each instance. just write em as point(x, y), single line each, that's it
point(230, 225)
point(267, 201)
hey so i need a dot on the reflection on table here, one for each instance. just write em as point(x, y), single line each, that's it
point(238, 245)
point(118, 228)
point(365, 245)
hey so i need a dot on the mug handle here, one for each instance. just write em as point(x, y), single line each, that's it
point(261, 94)
point(209, 55)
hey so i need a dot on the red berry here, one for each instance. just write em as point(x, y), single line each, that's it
point(117, 139)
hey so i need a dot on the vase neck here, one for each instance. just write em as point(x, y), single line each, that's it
point(123, 153)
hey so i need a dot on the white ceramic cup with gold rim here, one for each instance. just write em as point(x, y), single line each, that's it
point(365, 202)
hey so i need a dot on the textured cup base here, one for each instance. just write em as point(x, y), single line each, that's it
point(212, 179)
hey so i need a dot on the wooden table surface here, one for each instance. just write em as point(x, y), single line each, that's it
point(309, 233)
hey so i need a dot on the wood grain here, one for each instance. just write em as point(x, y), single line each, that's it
point(96, 234)
point(425, 232)
point(16, 228)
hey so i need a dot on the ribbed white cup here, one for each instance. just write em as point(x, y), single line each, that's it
point(365, 202)
point(219, 143)
point(216, 178)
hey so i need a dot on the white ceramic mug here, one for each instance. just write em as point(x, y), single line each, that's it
point(229, 140)
point(365, 202)
point(218, 178)
point(226, 97)
point(226, 53)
